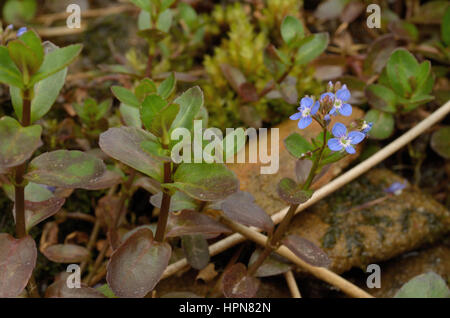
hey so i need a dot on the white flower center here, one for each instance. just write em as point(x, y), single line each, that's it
point(345, 142)
point(306, 112)
point(337, 103)
point(365, 125)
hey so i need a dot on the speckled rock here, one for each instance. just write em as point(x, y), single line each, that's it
point(355, 238)
point(263, 186)
point(397, 272)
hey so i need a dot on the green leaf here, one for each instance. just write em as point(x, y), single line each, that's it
point(203, 181)
point(292, 31)
point(155, 149)
point(9, 73)
point(157, 116)
point(17, 143)
point(130, 115)
point(137, 265)
point(188, 15)
point(124, 144)
point(445, 27)
point(17, 12)
point(178, 201)
point(18, 259)
point(311, 47)
point(45, 94)
point(190, 103)
point(125, 96)
point(165, 20)
point(414, 102)
point(152, 35)
point(440, 141)
point(144, 88)
point(401, 67)
point(166, 88)
point(143, 4)
point(297, 145)
point(196, 250)
point(383, 124)
point(236, 141)
point(66, 169)
point(55, 61)
point(429, 285)
point(166, 4)
point(424, 79)
point(105, 290)
point(151, 106)
point(291, 192)
point(381, 97)
point(24, 58)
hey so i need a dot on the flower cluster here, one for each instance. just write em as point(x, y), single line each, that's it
point(332, 103)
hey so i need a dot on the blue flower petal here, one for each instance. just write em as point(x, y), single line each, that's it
point(396, 187)
point(304, 122)
point(306, 102)
point(21, 31)
point(346, 110)
point(343, 93)
point(339, 130)
point(350, 150)
point(331, 95)
point(327, 117)
point(356, 137)
point(315, 108)
point(296, 116)
point(333, 111)
point(334, 144)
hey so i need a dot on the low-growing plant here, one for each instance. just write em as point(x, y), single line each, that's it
point(403, 85)
point(35, 73)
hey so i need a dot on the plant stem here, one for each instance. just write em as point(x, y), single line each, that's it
point(274, 241)
point(165, 205)
point(20, 171)
point(19, 191)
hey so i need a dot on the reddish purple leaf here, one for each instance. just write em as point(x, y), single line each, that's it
point(247, 91)
point(137, 265)
point(237, 283)
point(36, 212)
point(17, 261)
point(59, 289)
point(107, 180)
point(272, 266)
point(106, 210)
point(196, 249)
point(240, 207)
point(307, 251)
point(233, 75)
point(66, 253)
point(66, 169)
point(191, 222)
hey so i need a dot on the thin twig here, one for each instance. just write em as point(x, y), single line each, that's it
point(331, 187)
point(292, 284)
point(319, 272)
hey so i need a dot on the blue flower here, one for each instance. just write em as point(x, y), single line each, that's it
point(339, 105)
point(344, 140)
point(10, 27)
point(396, 188)
point(366, 127)
point(306, 110)
point(21, 31)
